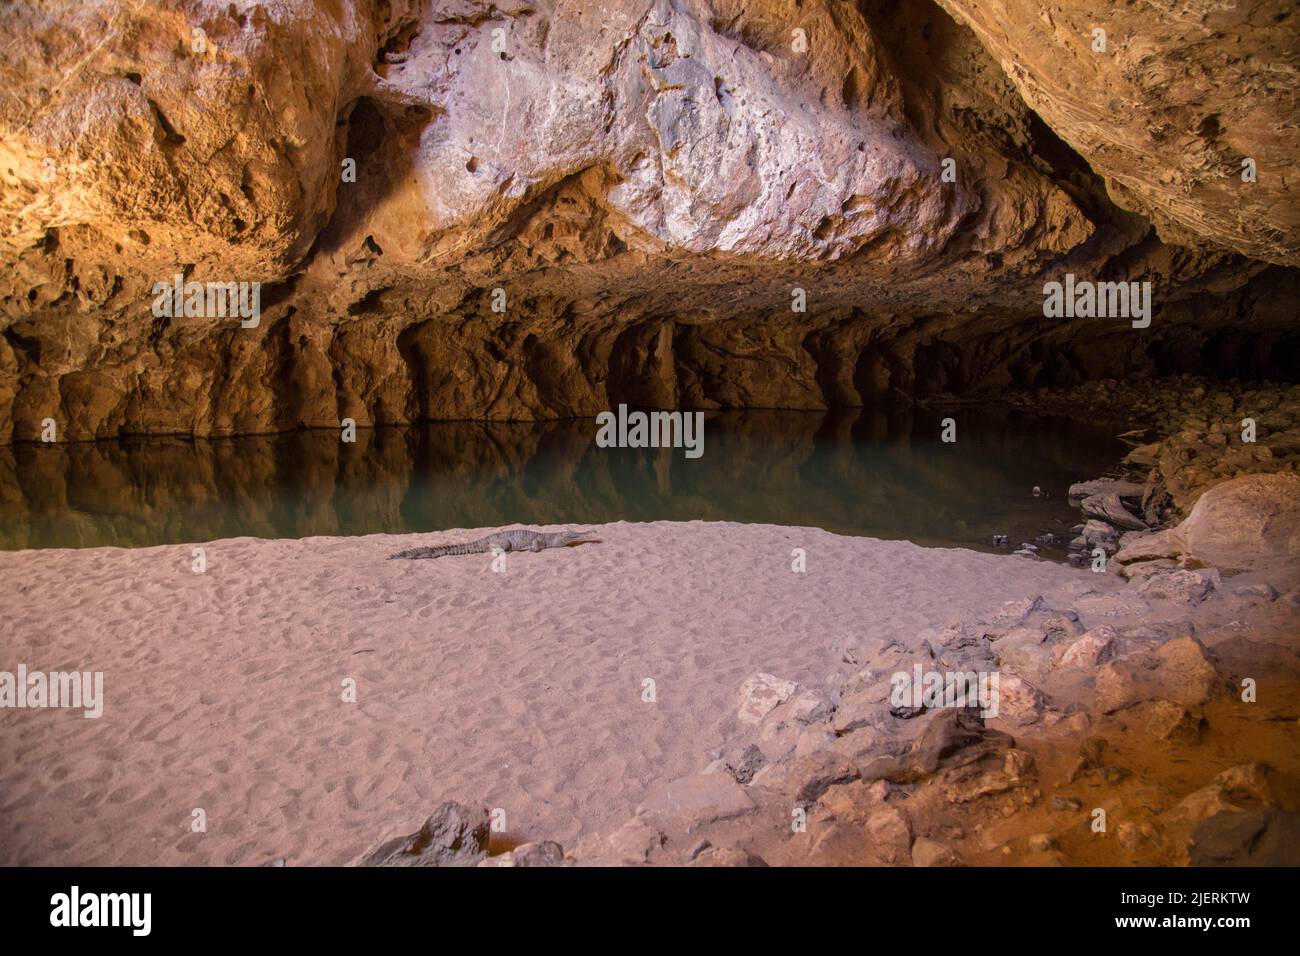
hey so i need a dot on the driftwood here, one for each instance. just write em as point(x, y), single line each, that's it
point(1107, 507)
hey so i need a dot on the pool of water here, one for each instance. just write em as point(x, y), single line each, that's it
point(886, 475)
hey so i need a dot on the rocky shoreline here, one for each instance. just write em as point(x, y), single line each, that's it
point(1149, 720)
point(1190, 433)
point(1128, 732)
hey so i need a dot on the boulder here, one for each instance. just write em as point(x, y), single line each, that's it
point(1018, 701)
point(546, 853)
point(818, 773)
point(694, 801)
point(1248, 523)
point(853, 802)
point(1107, 486)
point(634, 841)
point(1187, 587)
point(891, 835)
point(1095, 647)
point(726, 856)
point(1108, 508)
point(1149, 546)
point(951, 739)
point(1180, 671)
point(761, 694)
point(1247, 838)
point(1167, 721)
point(1099, 534)
point(453, 835)
point(926, 852)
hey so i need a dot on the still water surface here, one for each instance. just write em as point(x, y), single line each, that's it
point(852, 472)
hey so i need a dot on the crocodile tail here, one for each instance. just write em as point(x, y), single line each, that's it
point(412, 553)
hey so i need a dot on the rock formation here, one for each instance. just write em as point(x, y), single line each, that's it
point(540, 208)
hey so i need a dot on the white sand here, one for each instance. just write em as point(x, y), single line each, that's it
point(519, 690)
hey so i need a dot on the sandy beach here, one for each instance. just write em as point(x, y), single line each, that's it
point(519, 690)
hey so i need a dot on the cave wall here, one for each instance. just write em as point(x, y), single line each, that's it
point(560, 205)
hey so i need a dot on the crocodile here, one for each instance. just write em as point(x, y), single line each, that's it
point(519, 539)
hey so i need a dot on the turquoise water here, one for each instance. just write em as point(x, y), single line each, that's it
point(851, 471)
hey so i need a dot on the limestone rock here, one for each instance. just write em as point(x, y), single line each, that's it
point(1105, 486)
point(1180, 671)
point(1095, 647)
point(820, 772)
point(726, 856)
point(453, 835)
point(1247, 523)
point(926, 852)
point(761, 694)
point(1168, 721)
point(1188, 587)
point(890, 831)
point(1248, 838)
point(1019, 702)
point(1108, 508)
point(546, 853)
point(644, 184)
point(1120, 105)
point(692, 802)
point(635, 841)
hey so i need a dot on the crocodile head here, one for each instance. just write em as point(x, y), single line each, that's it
point(568, 538)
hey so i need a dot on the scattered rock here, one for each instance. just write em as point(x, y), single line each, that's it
point(1247, 838)
point(1042, 843)
point(1018, 701)
point(547, 853)
point(1135, 836)
point(1107, 486)
point(1180, 671)
point(744, 765)
point(1172, 722)
point(951, 739)
point(1190, 587)
point(975, 784)
point(808, 708)
point(891, 835)
point(1019, 765)
point(1149, 546)
point(697, 849)
point(853, 802)
point(697, 800)
point(1144, 570)
point(1246, 523)
point(453, 835)
point(1261, 592)
point(761, 694)
point(818, 773)
point(726, 856)
point(634, 841)
point(867, 707)
point(1095, 647)
point(1108, 508)
point(927, 852)
point(1098, 534)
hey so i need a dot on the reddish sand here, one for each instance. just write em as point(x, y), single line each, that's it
point(519, 690)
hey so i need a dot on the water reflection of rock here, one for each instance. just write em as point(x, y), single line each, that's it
point(854, 471)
